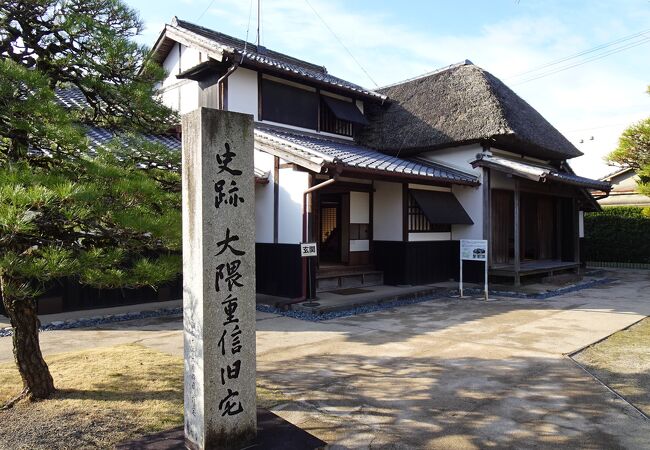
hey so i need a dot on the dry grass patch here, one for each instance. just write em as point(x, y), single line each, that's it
point(623, 362)
point(105, 396)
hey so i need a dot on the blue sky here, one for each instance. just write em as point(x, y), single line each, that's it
point(395, 40)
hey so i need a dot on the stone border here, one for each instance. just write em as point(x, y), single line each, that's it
point(309, 316)
point(305, 315)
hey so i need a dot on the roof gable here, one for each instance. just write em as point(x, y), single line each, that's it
point(460, 105)
point(221, 46)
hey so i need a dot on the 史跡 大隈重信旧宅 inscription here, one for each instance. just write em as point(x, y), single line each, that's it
point(219, 279)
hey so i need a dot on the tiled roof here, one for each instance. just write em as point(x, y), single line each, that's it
point(539, 173)
point(350, 155)
point(268, 58)
point(100, 137)
point(71, 97)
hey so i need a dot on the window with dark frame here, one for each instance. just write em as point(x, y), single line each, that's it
point(418, 221)
point(290, 105)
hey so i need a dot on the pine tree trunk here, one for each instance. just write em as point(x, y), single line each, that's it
point(37, 380)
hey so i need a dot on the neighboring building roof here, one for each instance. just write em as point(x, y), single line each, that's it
point(315, 152)
point(459, 105)
point(625, 190)
point(538, 173)
point(218, 45)
point(617, 173)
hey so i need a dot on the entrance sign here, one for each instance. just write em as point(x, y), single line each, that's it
point(219, 279)
point(308, 249)
point(474, 250)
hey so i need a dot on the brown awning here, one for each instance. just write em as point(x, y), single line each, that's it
point(441, 207)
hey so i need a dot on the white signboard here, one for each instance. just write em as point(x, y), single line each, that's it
point(308, 249)
point(474, 250)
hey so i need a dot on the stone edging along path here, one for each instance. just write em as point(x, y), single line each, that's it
point(306, 315)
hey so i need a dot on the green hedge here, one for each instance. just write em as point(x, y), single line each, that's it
point(617, 234)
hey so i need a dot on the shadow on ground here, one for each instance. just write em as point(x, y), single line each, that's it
point(429, 402)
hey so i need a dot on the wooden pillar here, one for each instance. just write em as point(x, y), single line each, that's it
point(487, 213)
point(575, 214)
point(558, 228)
point(517, 237)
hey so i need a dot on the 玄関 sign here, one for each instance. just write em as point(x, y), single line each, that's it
point(308, 249)
point(473, 249)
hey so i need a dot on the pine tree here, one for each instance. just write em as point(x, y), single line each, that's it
point(634, 151)
point(109, 218)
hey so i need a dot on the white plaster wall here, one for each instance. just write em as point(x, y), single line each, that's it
point(242, 92)
point(171, 64)
point(387, 212)
point(189, 97)
point(359, 207)
point(501, 181)
point(264, 200)
point(292, 186)
point(471, 198)
point(417, 237)
point(456, 157)
point(359, 245)
point(180, 95)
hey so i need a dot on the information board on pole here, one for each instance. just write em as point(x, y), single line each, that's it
point(474, 250)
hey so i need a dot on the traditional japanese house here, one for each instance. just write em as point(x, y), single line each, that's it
point(386, 182)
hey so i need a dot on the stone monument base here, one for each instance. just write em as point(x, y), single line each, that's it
point(273, 433)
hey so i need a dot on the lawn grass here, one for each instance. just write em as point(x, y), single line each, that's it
point(622, 361)
point(105, 396)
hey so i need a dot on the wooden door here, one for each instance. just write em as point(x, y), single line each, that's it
point(502, 226)
point(545, 226)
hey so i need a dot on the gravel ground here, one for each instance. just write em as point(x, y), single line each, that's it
point(622, 361)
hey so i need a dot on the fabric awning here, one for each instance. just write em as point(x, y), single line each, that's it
point(345, 110)
point(441, 207)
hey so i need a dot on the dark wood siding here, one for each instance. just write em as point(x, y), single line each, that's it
point(279, 269)
point(68, 295)
point(422, 262)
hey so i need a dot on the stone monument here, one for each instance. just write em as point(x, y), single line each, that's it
point(219, 279)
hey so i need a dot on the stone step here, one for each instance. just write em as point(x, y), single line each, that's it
point(349, 279)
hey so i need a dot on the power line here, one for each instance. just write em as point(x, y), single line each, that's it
point(588, 60)
point(342, 44)
point(248, 27)
point(205, 10)
point(582, 53)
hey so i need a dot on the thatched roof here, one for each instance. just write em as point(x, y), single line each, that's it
point(460, 105)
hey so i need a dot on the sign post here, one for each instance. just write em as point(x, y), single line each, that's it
point(309, 250)
point(219, 280)
point(474, 250)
